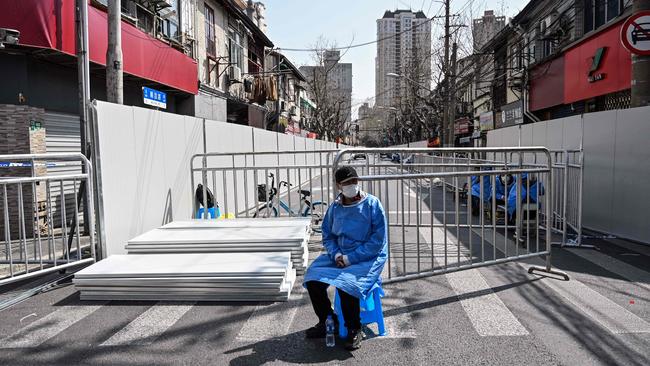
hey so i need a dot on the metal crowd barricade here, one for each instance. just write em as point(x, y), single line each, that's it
point(265, 184)
point(568, 184)
point(567, 187)
point(38, 235)
point(433, 229)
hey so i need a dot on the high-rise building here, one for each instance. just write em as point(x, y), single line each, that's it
point(486, 27)
point(483, 30)
point(403, 48)
point(339, 79)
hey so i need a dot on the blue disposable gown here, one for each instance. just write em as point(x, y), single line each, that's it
point(500, 189)
point(512, 195)
point(360, 232)
point(487, 188)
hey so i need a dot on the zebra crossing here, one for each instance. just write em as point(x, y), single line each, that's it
point(489, 315)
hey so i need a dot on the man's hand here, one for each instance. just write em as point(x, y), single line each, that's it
point(340, 262)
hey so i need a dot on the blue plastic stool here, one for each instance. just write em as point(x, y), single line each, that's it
point(212, 213)
point(371, 311)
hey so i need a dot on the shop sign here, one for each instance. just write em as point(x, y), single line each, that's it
point(597, 66)
point(154, 97)
point(486, 121)
point(594, 75)
point(293, 129)
point(461, 126)
point(512, 114)
point(35, 125)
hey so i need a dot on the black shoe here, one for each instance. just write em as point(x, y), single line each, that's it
point(354, 339)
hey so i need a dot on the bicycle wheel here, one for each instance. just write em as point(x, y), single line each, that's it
point(266, 211)
point(317, 211)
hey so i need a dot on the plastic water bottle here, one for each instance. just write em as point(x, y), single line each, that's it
point(329, 327)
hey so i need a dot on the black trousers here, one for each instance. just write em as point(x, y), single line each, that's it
point(323, 307)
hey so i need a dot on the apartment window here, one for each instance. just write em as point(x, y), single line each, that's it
point(145, 19)
point(168, 25)
point(598, 12)
point(236, 48)
point(210, 37)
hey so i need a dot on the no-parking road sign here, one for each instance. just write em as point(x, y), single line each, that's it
point(635, 33)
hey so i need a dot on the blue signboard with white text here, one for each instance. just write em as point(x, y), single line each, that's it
point(154, 97)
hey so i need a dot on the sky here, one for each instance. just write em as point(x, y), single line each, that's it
point(299, 24)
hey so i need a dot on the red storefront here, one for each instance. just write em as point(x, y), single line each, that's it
point(50, 24)
point(588, 74)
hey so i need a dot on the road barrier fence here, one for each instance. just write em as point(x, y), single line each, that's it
point(38, 234)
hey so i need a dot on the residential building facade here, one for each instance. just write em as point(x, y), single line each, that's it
point(285, 111)
point(341, 78)
point(256, 10)
point(556, 59)
point(336, 79)
point(403, 48)
point(40, 72)
point(230, 52)
point(483, 30)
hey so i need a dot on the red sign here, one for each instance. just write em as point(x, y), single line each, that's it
point(598, 66)
point(461, 126)
point(635, 33)
point(293, 129)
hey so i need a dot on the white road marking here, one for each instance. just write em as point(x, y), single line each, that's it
point(147, 327)
point(397, 326)
point(629, 272)
point(602, 310)
point(274, 320)
point(488, 314)
point(400, 325)
point(39, 331)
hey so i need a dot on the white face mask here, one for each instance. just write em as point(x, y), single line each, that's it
point(350, 191)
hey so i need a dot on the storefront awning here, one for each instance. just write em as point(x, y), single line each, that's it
point(51, 24)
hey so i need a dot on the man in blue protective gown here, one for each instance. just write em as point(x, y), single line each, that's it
point(355, 240)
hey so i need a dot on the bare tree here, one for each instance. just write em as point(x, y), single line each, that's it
point(416, 106)
point(332, 106)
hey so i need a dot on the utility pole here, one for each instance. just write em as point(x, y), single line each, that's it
point(83, 76)
point(277, 87)
point(640, 68)
point(446, 110)
point(83, 66)
point(452, 93)
point(114, 76)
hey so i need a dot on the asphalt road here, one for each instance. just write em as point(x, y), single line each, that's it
point(492, 315)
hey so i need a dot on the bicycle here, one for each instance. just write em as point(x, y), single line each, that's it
point(307, 208)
